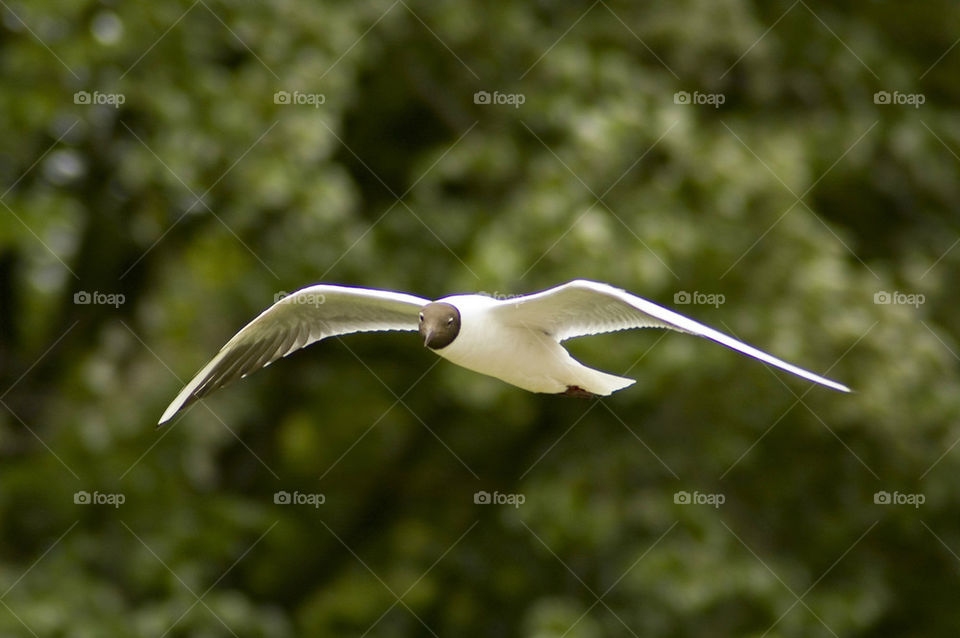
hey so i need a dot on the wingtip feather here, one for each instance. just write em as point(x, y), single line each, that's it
point(169, 413)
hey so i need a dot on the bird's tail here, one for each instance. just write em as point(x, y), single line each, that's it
point(602, 383)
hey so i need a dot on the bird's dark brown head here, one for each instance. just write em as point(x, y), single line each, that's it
point(439, 325)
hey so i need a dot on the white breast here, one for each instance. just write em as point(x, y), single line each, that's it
point(528, 359)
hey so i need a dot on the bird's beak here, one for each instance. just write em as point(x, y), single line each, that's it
point(427, 338)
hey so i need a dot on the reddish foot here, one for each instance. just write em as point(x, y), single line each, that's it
point(577, 392)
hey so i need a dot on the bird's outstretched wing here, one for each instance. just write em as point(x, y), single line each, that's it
point(296, 321)
point(580, 308)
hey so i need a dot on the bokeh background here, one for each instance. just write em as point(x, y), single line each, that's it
point(790, 169)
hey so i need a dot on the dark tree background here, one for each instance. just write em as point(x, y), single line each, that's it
point(167, 169)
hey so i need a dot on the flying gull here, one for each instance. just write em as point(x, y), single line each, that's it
point(517, 340)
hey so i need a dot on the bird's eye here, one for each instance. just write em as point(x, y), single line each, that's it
point(421, 316)
point(450, 321)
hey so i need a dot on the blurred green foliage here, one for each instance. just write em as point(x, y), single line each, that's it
point(206, 192)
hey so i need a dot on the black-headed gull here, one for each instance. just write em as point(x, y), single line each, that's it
point(516, 340)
